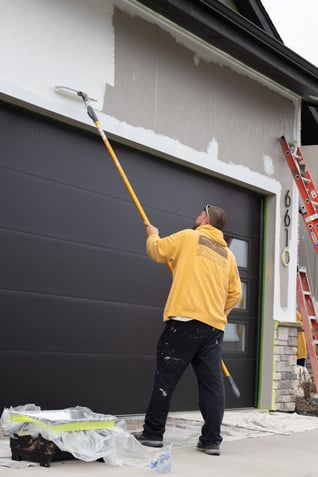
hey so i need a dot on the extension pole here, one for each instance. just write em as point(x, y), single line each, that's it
point(92, 114)
point(231, 381)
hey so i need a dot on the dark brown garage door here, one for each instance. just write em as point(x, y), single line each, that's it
point(81, 303)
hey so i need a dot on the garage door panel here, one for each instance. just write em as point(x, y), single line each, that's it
point(59, 211)
point(54, 267)
point(47, 323)
point(105, 384)
point(76, 158)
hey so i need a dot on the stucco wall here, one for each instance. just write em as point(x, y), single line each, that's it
point(163, 86)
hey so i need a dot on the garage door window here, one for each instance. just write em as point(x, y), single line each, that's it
point(235, 337)
point(240, 250)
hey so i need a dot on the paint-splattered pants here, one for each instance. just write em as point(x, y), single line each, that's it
point(180, 344)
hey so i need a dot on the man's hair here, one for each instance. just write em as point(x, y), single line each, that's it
point(217, 217)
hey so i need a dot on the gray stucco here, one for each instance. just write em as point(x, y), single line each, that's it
point(163, 86)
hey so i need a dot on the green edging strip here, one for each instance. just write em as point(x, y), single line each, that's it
point(63, 427)
point(274, 367)
point(261, 351)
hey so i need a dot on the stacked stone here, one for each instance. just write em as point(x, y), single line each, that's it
point(285, 380)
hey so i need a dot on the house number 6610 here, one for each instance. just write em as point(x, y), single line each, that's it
point(285, 253)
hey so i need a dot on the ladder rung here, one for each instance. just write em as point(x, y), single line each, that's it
point(311, 218)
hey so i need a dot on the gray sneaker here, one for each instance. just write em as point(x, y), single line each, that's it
point(210, 449)
point(145, 441)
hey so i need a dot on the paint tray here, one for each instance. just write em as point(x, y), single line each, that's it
point(35, 432)
point(65, 420)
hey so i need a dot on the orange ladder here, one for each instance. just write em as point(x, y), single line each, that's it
point(309, 319)
point(306, 188)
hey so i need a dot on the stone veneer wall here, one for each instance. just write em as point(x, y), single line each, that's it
point(284, 377)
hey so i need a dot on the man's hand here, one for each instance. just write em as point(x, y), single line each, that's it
point(151, 229)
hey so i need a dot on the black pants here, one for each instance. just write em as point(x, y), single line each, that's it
point(180, 344)
point(301, 362)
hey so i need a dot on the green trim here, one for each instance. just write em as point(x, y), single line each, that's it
point(234, 6)
point(276, 323)
point(261, 345)
point(63, 427)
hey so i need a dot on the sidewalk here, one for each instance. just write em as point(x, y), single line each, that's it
point(256, 443)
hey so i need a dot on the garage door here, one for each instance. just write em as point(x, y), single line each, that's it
point(81, 303)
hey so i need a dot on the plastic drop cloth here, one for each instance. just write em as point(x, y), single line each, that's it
point(115, 445)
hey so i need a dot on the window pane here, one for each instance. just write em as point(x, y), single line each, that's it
point(235, 337)
point(241, 305)
point(240, 250)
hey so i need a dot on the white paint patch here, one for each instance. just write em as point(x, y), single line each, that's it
point(169, 358)
point(163, 392)
point(196, 60)
point(268, 165)
point(69, 42)
point(213, 150)
point(207, 161)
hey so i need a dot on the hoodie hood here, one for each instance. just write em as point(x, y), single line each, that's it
point(213, 233)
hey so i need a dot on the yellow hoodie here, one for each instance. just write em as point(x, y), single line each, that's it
point(205, 284)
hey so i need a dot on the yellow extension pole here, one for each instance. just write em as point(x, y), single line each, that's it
point(231, 381)
point(92, 114)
